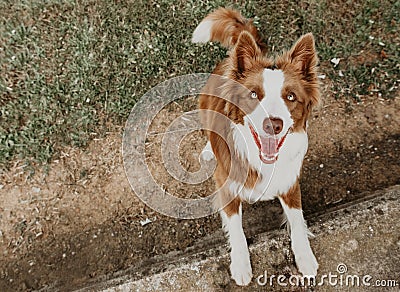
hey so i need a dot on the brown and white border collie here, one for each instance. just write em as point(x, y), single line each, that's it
point(261, 144)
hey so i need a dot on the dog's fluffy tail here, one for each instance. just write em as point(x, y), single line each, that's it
point(225, 25)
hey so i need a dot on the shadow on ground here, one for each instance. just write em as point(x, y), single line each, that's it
point(69, 262)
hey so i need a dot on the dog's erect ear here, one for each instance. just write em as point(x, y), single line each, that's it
point(245, 52)
point(304, 56)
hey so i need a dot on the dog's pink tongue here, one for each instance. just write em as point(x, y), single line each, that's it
point(269, 146)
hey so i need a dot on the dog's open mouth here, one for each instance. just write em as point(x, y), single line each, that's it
point(268, 146)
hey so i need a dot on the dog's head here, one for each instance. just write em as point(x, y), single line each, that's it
point(277, 94)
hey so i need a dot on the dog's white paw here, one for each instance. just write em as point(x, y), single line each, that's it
point(207, 155)
point(307, 263)
point(241, 268)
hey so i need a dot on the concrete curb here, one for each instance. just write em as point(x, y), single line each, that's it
point(356, 243)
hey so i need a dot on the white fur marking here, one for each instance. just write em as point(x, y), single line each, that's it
point(305, 259)
point(240, 258)
point(202, 33)
point(207, 154)
point(279, 177)
point(272, 105)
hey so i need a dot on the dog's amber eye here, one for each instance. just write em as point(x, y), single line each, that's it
point(291, 97)
point(253, 94)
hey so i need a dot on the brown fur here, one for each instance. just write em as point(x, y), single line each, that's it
point(300, 68)
point(233, 207)
point(245, 65)
point(228, 24)
point(293, 197)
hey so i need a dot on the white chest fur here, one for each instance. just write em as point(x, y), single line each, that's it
point(277, 178)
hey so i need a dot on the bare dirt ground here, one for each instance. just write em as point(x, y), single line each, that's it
point(81, 221)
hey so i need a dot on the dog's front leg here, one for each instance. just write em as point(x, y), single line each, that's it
point(240, 258)
point(304, 256)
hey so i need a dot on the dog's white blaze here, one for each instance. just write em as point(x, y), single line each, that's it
point(272, 105)
point(240, 258)
point(305, 259)
point(281, 175)
point(202, 33)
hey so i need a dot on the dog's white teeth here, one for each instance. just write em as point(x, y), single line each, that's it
point(266, 157)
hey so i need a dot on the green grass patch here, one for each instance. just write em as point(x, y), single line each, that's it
point(71, 70)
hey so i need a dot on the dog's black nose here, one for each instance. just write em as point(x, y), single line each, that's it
point(273, 126)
